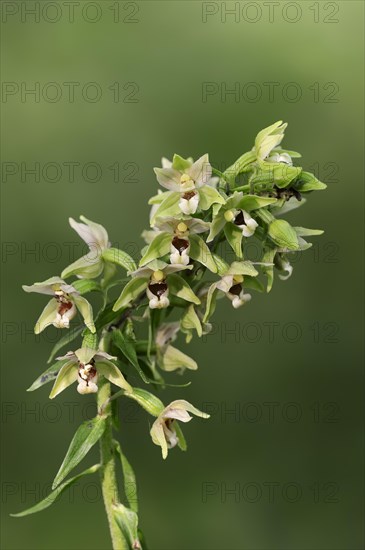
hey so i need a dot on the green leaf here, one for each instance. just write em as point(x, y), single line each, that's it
point(168, 207)
point(130, 292)
point(283, 234)
point(48, 375)
point(208, 196)
point(127, 347)
point(234, 237)
point(51, 498)
point(127, 521)
point(66, 376)
point(129, 479)
point(253, 202)
point(69, 337)
point(90, 339)
point(84, 439)
point(119, 257)
point(268, 270)
point(159, 247)
point(200, 252)
point(180, 437)
point(179, 287)
point(106, 316)
point(83, 286)
point(308, 182)
point(253, 284)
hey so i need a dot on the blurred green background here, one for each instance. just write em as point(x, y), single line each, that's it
point(284, 470)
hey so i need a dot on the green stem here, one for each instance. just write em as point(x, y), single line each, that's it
point(107, 471)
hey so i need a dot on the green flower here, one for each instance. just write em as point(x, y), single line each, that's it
point(62, 308)
point(269, 138)
point(165, 431)
point(85, 365)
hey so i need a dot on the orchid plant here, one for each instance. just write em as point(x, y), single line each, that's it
point(201, 214)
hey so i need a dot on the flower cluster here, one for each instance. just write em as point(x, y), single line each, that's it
point(195, 253)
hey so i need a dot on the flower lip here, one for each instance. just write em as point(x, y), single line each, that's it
point(180, 244)
point(158, 289)
point(236, 289)
point(239, 219)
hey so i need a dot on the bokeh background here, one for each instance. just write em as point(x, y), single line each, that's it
point(279, 464)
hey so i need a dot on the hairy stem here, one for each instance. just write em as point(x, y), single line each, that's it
point(108, 476)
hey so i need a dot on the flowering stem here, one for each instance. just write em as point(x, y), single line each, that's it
point(108, 476)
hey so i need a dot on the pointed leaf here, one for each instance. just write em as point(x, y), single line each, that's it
point(130, 292)
point(208, 196)
point(126, 346)
point(201, 253)
point(179, 287)
point(69, 337)
point(84, 439)
point(234, 237)
point(83, 286)
point(48, 375)
point(129, 479)
point(119, 257)
point(51, 498)
point(160, 246)
point(308, 182)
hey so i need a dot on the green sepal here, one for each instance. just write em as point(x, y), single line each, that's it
point(119, 257)
point(189, 322)
point(268, 270)
point(66, 376)
point(221, 264)
point(129, 479)
point(217, 225)
point(160, 246)
point(253, 284)
point(47, 316)
point(83, 286)
point(113, 374)
point(210, 303)
point(130, 292)
point(181, 441)
point(127, 521)
point(283, 234)
point(69, 337)
point(173, 359)
point(84, 267)
point(179, 287)
point(86, 311)
point(242, 268)
point(180, 164)
point(159, 198)
point(234, 237)
point(52, 497)
point(200, 252)
point(48, 375)
point(168, 207)
point(90, 339)
point(208, 196)
point(304, 232)
point(279, 173)
point(254, 202)
point(308, 182)
point(84, 439)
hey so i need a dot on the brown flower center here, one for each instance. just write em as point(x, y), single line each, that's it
point(180, 244)
point(236, 289)
point(158, 289)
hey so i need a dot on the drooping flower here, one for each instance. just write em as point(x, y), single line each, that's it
point(62, 308)
point(84, 366)
point(158, 279)
point(165, 431)
point(96, 237)
point(170, 358)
